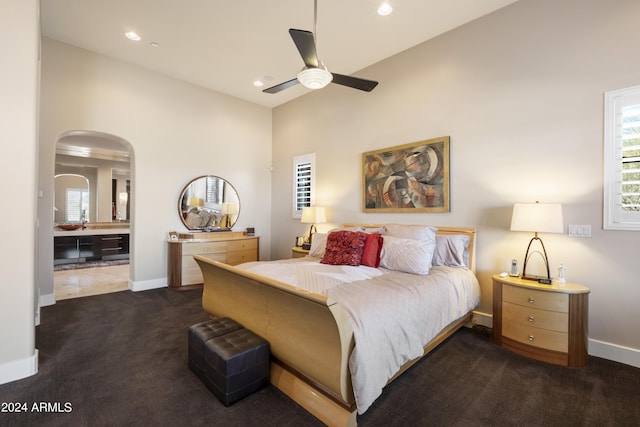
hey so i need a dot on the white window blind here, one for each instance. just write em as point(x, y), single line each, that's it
point(622, 159)
point(303, 182)
point(77, 202)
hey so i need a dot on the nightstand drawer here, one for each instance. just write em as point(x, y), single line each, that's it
point(541, 338)
point(533, 317)
point(551, 301)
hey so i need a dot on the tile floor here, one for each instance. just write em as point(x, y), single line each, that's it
point(90, 281)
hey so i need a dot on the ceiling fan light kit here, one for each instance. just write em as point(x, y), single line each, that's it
point(314, 78)
point(315, 75)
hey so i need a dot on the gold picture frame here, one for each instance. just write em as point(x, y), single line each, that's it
point(407, 178)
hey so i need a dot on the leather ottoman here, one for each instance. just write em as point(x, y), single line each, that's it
point(236, 365)
point(200, 333)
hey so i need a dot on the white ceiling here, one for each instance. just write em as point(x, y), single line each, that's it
point(226, 45)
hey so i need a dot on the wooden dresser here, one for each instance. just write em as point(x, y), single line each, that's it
point(544, 322)
point(231, 247)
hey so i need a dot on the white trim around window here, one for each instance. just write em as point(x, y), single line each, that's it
point(622, 159)
point(304, 183)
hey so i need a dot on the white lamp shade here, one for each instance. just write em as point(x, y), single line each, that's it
point(123, 198)
point(313, 215)
point(537, 217)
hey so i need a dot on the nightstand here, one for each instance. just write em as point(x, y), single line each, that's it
point(298, 252)
point(544, 322)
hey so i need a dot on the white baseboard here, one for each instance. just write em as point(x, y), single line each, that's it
point(483, 319)
point(605, 350)
point(147, 284)
point(47, 299)
point(19, 369)
point(617, 353)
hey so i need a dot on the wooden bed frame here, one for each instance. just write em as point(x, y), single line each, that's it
point(310, 336)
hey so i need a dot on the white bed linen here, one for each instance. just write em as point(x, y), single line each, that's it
point(393, 314)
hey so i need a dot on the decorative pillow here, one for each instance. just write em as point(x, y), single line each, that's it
point(408, 255)
point(452, 250)
point(379, 230)
point(318, 244)
point(372, 249)
point(344, 248)
point(354, 228)
point(416, 232)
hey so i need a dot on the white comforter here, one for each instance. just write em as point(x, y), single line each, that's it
point(394, 315)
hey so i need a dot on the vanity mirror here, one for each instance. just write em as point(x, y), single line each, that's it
point(92, 175)
point(209, 203)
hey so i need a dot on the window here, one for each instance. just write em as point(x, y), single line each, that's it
point(303, 182)
point(77, 204)
point(622, 159)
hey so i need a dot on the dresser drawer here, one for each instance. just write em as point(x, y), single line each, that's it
point(191, 276)
point(189, 262)
point(529, 316)
point(240, 245)
point(238, 257)
point(233, 247)
point(203, 247)
point(541, 338)
point(551, 301)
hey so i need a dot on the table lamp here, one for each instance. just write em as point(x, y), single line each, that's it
point(539, 218)
point(312, 215)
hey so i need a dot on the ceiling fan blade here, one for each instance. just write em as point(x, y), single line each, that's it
point(282, 86)
point(354, 82)
point(306, 44)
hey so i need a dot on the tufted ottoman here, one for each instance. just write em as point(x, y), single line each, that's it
point(200, 333)
point(236, 365)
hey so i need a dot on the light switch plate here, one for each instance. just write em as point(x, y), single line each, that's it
point(580, 230)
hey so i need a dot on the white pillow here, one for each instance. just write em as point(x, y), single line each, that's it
point(417, 232)
point(407, 255)
point(452, 250)
point(318, 245)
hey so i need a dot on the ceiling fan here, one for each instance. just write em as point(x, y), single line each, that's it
point(315, 75)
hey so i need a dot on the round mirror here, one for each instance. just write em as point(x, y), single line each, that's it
point(209, 203)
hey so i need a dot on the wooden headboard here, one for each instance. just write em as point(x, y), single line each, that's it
point(444, 230)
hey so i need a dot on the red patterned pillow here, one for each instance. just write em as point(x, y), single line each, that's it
point(344, 248)
point(372, 249)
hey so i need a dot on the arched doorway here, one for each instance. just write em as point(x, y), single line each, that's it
point(93, 259)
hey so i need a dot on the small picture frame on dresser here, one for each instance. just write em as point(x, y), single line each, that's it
point(173, 235)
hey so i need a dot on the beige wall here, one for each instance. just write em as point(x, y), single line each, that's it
point(520, 93)
point(177, 132)
point(18, 123)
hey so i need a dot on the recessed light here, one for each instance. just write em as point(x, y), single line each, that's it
point(154, 44)
point(385, 9)
point(132, 36)
point(258, 83)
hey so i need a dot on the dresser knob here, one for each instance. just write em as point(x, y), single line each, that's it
point(532, 300)
point(532, 319)
point(531, 337)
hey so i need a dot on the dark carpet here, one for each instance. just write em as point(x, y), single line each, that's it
point(121, 360)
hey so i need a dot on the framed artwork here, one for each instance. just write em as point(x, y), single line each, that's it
point(407, 178)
